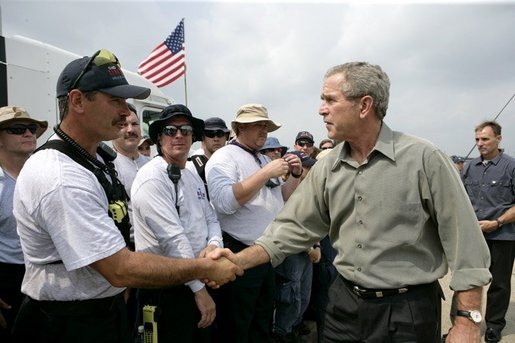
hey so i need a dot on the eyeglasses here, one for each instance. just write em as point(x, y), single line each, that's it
point(20, 129)
point(271, 184)
point(215, 133)
point(99, 58)
point(304, 143)
point(269, 150)
point(171, 130)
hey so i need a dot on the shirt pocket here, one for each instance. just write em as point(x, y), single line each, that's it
point(503, 188)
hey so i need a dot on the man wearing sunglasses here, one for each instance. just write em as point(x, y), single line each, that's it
point(18, 134)
point(215, 136)
point(304, 142)
point(69, 205)
point(247, 192)
point(173, 217)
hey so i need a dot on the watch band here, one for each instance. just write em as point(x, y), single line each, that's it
point(474, 315)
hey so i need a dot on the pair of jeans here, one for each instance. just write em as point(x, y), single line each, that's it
point(293, 290)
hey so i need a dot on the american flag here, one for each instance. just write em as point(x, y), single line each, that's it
point(167, 62)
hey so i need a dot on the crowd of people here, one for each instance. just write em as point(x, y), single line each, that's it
point(244, 238)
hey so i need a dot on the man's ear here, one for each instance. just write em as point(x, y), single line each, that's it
point(76, 100)
point(366, 104)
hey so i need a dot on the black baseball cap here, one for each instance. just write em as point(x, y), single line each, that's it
point(101, 72)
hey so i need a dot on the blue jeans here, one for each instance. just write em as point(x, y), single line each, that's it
point(293, 290)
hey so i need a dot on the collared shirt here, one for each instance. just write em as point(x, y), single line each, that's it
point(491, 189)
point(400, 218)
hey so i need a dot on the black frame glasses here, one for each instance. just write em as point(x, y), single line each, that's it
point(20, 129)
point(216, 133)
point(104, 57)
point(171, 130)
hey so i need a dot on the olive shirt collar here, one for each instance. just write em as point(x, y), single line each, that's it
point(384, 145)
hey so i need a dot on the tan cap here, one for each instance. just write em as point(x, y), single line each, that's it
point(252, 113)
point(10, 114)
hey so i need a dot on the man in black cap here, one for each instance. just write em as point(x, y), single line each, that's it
point(304, 142)
point(71, 213)
point(215, 136)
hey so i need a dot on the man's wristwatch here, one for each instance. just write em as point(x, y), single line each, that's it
point(499, 223)
point(473, 315)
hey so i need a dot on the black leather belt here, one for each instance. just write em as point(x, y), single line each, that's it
point(366, 293)
point(374, 293)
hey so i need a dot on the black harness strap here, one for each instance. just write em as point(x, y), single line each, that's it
point(114, 190)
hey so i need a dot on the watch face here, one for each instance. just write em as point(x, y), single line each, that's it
point(475, 316)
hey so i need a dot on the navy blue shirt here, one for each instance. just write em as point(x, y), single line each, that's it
point(491, 190)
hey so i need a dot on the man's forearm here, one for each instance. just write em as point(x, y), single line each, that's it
point(252, 256)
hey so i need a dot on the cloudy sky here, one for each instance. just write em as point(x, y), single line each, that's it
point(451, 64)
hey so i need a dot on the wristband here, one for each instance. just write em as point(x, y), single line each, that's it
point(297, 176)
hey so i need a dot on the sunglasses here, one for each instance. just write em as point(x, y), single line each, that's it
point(171, 130)
point(99, 58)
point(215, 133)
point(304, 143)
point(20, 129)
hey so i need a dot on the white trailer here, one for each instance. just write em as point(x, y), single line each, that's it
point(28, 76)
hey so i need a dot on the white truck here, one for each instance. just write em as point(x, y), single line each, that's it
point(28, 75)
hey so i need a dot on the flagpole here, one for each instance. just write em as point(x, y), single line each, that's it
point(185, 68)
point(497, 116)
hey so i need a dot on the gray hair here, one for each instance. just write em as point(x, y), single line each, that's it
point(363, 78)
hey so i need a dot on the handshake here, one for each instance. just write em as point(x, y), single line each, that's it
point(223, 265)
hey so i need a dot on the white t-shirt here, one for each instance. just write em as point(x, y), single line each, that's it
point(229, 165)
point(158, 228)
point(127, 169)
point(61, 211)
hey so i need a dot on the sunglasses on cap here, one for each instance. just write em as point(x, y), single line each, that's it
point(20, 129)
point(171, 130)
point(99, 58)
point(215, 133)
point(304, 143)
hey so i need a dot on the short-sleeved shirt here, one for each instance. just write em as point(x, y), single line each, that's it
point(61, 211)
point(491, 190)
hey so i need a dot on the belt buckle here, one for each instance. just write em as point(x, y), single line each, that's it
point(358, 291)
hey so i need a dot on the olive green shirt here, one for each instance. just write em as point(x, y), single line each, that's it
point(398, 219)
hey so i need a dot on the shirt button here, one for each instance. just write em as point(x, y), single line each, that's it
point(359, 269)
point(360, 222)
point(360, 172)
point(360, 246)
point(360, 198)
